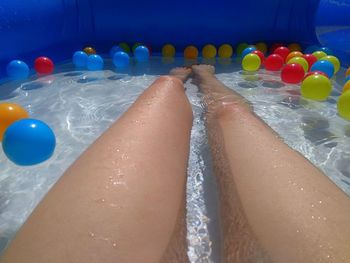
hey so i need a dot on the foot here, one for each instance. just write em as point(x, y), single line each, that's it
point(203, 70)
point(181, 73)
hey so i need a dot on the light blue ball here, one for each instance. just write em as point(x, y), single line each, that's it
point(311, 49)
point(141, 54)
point(114, 50)
point(79, 59)
point(323, 66)
point(17, 69)
point(326, 50)
point(28, 142)
point(121, 60)
point(247, 51)
point(94, 62)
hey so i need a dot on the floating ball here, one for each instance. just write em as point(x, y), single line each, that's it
point(346, 86)
point(251, 62)
point(241, 47)
point(301, 61)
point(168, 51)
point(315, 73)
point(347, 73)
point(135, 46)
point(261, 46)
point(80, 58)
point(311, 59)
point(9, 113)
point(273, 62)
point(225, 51)
point(319, 54)
point(191, 52)
point(316, 87)
point(292, 55)
point(17, 69)
point(247, 51)
point(324, 66)
point(89, 50)
point(209, 51)
point(43, 65)
point(292, 73)
point(326, 50)
point(294, 47)
point(343, 105)
point(114, 50)
point(311, 49)
point(260, 54)
point(125, 47)
point(121, 60)
point(141, 54)
point(282, 51)
point(334, 60)
point(274, 46)
point(94, 62)
point(28, 142)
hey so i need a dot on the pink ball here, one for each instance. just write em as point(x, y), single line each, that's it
point(273, 62)
point(292, 73)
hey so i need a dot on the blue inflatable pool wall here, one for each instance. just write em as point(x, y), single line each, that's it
point(56, 28)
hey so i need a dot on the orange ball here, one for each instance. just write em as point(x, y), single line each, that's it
point(294, 47)
point(191, 52)
point(346, 86)
point(293, 54)
point(89, 50)
point(9, 113)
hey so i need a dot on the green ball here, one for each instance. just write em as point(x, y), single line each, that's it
point(251, 62)
point(135, 46)
point(125, 47)
point(316, 87)
point(344, 105)
point(241, 47)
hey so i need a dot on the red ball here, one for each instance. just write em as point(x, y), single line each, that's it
point(315, 73)
point(260, 54)
point(43, 65)
point(292, 73)
point(274, 46)
point(282, 51)
point(273, 62)
point(311, 59)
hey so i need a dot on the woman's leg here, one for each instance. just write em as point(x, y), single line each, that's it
point(275, 205)
point(123, 200)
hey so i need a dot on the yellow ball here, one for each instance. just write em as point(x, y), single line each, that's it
point(261, 46)
point(251, 62)
point(89, 50)
point(347, 73)
point(294, 47)
point(9, 113)
point(125, 47)
point(191, 52)
point(168, 51)
point(346, 86)
point(343, 105)
point(225, 51)
point(209, 51)
point(301, 61)
point(293, 54)
point(334, 60)
point(316, 87)
point(319, 54)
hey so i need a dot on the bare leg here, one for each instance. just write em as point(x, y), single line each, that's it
point(123, 199)
point(275, 205)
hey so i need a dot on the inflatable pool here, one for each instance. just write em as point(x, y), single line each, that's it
point(79, 104)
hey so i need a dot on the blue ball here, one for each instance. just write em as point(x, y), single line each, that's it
point(121, 60)
point(28, 142)
point(324, 66)
point(80, 59)
point(17, 69)
point(347, 78)
point(326, 50)
point(311, 49)
point(247, 51)
point(94, 62)
point(141, 54)
point(114, 50)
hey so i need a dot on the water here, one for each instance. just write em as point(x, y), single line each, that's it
point(80, 105)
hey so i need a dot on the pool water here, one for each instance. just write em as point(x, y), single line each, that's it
point(79, 105)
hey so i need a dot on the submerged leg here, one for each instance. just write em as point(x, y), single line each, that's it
point(123, 200)
point(275, 205)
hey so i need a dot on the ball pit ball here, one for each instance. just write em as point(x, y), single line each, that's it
point(141, 54)
point(9, 113)
point(241, 47)
point(319, 54)
point(343, 105)
point(89, 50)
point(125, 47)
point(28, 142)
point(94, 62)
point(135, 46)
point(190, 52)
point(274, 62)
point(260, 54)
point(301, 61)
point(334, 60)
point(292, 55)
point(261, 46)
point(326, 50)
point(43, 65)
point(168, 51)
point(324, 66)
point(347, 72)
point(114, 50)
point(17, 69)
point(294, 47)
point(315, 73)
point(79, 59)
point(247, 51)
point(209, 51)
point(225, 51)
point(311, 59)
point(347, 78)
point(346, 87)
point(274, 46)
point(316, 87)
point(282, 51)
point(292, 73)
point(121, 60)
point(251, 62)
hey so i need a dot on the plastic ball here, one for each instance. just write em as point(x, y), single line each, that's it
point(114, 50)
point(209, 51)
point(292, 73)
point(346, 86)
point(311, 59)
point(273, 62)
point(80, 58)
point(260, 54)
point(294, 47)
point(319, 54)
point(282, 51)
point(141, 54)
point(315, 73)
point(343, 105)
point(301, 61)
point(261, 46)
point(241, 47)
point(316, 87)
point(168, 51)
point(311, 49)
point(94, 62)
point(324, 66)
point(334, 60)
point(225, 51)
point(347, 72)
point(89, 50)
point(274, 46)
point(347, 78)
point(135, 46)
point(121, 60)
point(125, 47)
point(247, 51)
point(17, 69)
point(9, 113)
point(326, 50)
point(191, 52)
point(251, 62)
point(292, 55)
point(43, 65)
point(28, 142)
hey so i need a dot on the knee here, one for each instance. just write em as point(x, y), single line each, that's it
point(228, 109)
point(169, 81)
